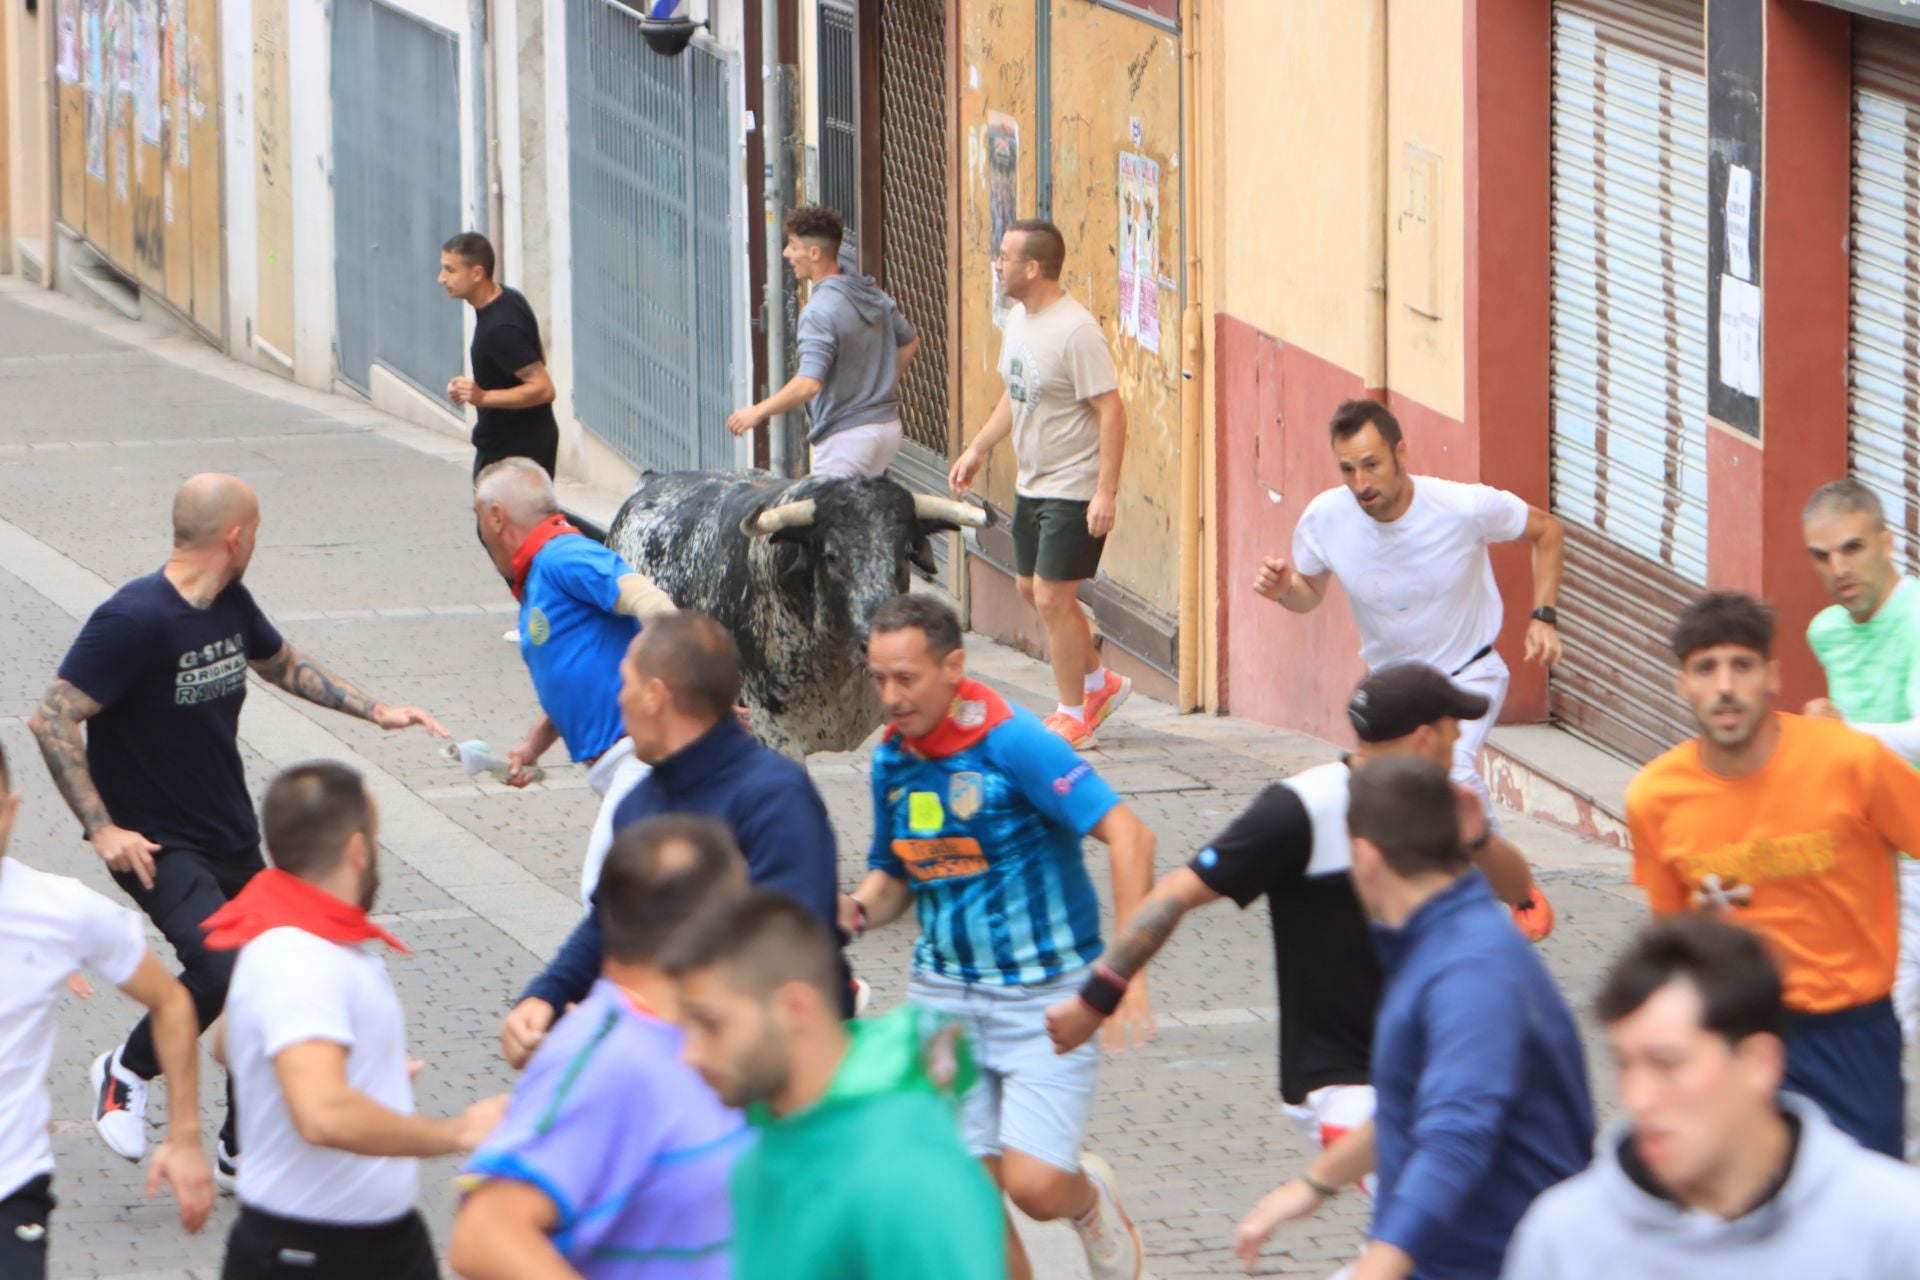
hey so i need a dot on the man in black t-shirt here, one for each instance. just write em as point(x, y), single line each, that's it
point(1290, 846)
point(510, 390)
point(157, 677)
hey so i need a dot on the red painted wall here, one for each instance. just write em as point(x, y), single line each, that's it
point(1755, 491)
point(1509, 81)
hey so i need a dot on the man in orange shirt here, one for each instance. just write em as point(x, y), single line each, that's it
point(1788, 825)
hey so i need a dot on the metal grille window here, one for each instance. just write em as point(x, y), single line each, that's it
point(1883, 367)
point(913, 177)
point(657, 242)
point(839, 80)
point(1629, 308)
point(396, 194)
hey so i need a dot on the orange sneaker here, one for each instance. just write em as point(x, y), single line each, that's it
point(1106, 700)
point(1079, 736)
point(1535, 915)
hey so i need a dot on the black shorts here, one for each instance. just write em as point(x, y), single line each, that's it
point(23, 1230)
point(265, 1246)
point(1050, 540)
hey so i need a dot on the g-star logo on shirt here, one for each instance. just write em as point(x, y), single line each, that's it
point(211, 672)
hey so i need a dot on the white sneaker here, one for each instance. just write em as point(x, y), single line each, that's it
point(1111, 1240)
point(226, 1169)
point(119, 1106)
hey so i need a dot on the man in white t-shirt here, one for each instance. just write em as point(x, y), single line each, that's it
point(1411, 552)
point(1062, 406)
point(50, 928)
point(315, 1043)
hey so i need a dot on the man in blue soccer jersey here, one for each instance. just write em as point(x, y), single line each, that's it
point(580, 607)
point(979, 813)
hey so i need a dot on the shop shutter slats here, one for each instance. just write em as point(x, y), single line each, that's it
point(1883, 367)
point(1629, 356)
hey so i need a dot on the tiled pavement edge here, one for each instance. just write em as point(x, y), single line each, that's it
point(367, 559)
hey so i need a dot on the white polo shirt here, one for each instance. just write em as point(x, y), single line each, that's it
point(1421, 586)
point(50, 926)
point(290, 987)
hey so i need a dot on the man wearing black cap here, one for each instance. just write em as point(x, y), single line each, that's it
point(1290, 846)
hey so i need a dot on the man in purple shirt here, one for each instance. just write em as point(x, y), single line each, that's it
point(615, 1156)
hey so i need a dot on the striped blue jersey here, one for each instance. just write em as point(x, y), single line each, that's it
point(988, 838)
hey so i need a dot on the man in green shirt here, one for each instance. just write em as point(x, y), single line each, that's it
point(859, 1173)
point(1868, 643)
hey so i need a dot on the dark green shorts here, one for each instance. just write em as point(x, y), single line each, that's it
point(1050, 540)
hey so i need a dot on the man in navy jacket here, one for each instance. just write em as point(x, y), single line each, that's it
point(679, 684)
point(1481, 1083)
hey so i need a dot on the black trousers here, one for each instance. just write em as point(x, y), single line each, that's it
point(189, 886)
point(545, 451)
point(23, 1230)
point(265, 1246)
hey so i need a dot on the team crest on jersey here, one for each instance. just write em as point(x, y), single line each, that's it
point(964, 794)
point(537, 627)
point(970, 715)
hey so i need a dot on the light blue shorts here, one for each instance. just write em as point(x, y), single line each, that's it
point(1028, 1098)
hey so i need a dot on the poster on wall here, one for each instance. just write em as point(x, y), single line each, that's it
point(120, 41)
point(1003, 193)
point(175, 80)
point(146, 69)
point(68, 61)
point(1139, 252)
point(95, 48)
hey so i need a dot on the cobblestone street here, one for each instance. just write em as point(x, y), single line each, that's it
point(367, 559)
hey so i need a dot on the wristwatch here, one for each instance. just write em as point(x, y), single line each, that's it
point(1546, 613)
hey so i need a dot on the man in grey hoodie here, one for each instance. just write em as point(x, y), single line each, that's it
point(1713, 1173)
point(854, 348)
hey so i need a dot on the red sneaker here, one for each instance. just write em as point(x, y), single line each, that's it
point(1106, 700)
point(1079, 736)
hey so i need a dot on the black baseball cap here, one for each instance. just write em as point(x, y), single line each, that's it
point(1393, 702)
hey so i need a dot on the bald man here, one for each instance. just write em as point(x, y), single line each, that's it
point(580, 607)
point(157, 677)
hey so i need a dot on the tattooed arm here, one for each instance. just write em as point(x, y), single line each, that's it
point(56, 727)
point(1072, 1021)
point(301, 676)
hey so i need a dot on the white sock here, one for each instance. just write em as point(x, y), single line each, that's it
point(1096, 682)
point(1078, 713)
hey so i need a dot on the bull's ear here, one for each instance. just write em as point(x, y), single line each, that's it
point(922, 556)
point(800, 535)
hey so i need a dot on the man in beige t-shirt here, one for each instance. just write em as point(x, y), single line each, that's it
point(1062, 406)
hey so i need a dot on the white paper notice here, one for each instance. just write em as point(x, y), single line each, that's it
point(1739, 335)
point(1740, 221)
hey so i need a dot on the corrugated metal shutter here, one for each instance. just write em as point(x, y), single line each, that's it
point(1883, 367)
point(1629, 355)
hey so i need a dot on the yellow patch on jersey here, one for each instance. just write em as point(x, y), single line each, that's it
point(924, 814)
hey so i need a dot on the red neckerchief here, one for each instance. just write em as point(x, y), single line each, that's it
point(541, 534)
point(275, 899)
point(975, 712)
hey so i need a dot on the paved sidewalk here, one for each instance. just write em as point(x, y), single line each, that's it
point(367, 559)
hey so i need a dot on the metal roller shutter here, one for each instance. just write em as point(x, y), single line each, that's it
point(1629, 317)
point(1883, 366)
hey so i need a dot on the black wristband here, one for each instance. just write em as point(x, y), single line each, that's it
point(1102, 991)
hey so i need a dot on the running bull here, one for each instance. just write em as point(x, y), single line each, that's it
point(794, 569)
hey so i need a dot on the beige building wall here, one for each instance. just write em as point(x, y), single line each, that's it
point(25, 144)
point(1322, 166)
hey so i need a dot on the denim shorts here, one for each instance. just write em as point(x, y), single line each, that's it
point(1028, 1098)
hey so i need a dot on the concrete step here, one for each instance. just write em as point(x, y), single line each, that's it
point(30, 259)
point(1547, 773)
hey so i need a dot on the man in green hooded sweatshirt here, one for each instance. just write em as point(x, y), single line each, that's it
point(859, 1173)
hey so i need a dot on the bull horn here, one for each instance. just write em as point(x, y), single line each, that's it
point(788, 515)
point(927, 506)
